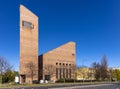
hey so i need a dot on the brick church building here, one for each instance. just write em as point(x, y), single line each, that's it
point(53, 65)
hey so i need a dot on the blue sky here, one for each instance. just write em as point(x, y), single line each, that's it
point(93, 24)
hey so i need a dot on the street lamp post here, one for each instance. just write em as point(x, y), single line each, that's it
point(90, 75)
point(110, 76)
point(83, 72)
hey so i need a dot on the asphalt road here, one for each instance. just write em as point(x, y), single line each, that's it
point(100, 86)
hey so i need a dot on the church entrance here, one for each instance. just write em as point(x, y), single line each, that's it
point(23, 78)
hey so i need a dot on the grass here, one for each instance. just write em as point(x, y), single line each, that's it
point(45, 84)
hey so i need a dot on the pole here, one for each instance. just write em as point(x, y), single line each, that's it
point(1, 80)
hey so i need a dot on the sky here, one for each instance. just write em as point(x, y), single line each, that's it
point(93, 24)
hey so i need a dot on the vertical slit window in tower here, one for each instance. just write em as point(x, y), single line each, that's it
point(27, 24)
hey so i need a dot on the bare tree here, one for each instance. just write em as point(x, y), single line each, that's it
point(74, 71)
point(31, 70)
point(49, 70)
point(104, 68)
point(4, 67)
point(101, 69)
point(97, 68)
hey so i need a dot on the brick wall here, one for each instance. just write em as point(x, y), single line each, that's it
point(28, 43)
point(62, 57)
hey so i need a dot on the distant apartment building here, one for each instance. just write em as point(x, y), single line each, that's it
point(114, 68)
point(85, 73)
point(61, 61)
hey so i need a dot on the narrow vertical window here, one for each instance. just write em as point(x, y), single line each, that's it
point(57, 73)
point(70, 73)
point(66, 73)
point(60, 73)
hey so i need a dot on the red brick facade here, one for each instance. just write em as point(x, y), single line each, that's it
point(53, 65)
point(60, 61)
point(28, 44)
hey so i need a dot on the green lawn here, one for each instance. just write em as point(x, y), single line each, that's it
point(45, 84)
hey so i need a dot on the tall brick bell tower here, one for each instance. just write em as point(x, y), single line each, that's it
point(28, 45)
